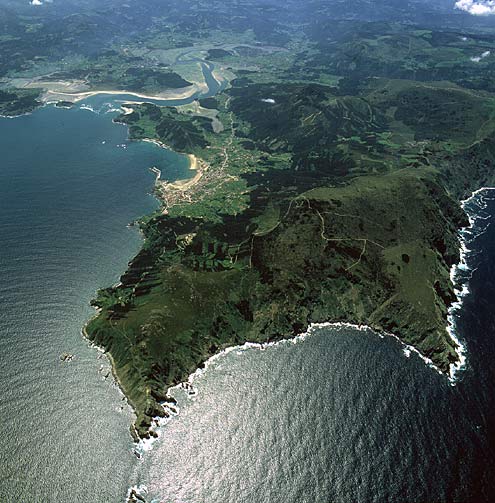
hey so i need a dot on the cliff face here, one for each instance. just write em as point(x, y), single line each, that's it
point(330, 193)
point(376, 252)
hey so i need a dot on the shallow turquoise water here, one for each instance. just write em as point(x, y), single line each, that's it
point(69, 185)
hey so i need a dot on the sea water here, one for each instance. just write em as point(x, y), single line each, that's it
point(342, 416)
point(70, 183)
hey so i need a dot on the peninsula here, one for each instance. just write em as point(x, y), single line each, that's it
point(334, 148)
point(315, 203)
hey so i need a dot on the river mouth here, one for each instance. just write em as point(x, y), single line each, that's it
point(70, 183)
point(244, 437)
point(110, 101)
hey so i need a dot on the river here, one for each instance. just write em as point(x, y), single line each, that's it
point(342, 416)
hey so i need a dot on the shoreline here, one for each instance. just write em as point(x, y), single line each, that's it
point(41, 105)
point(158, 143)
point(146, 444)
point(143, 445)
point(16, 116)
point(195, 164)
point(461, 288)
point(115, 376)
point(185, 184)
point(158, 421)
point(311, 330)
point(145, 440)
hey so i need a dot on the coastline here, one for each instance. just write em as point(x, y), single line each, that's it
point(195, 164)
point(145, 438)
point(143, 445)
point(156, 142)
point(75, 97)
point(41, 105)
point(461, 288)
point(146, 444)
point(145, 441)
point(15, 116)
point(115, 376)
point(311, 330)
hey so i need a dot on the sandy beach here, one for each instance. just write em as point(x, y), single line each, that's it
point(195, 164)
point(183, 93)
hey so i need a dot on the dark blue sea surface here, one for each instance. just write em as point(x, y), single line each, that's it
point(70, 183)
point(342, 416)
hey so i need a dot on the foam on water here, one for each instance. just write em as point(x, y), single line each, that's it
point(197, 384)
point(458, 274)
point(337, 418)
point(473, 206)
point(158, 423)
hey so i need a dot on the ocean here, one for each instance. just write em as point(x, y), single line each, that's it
point(70, 183)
